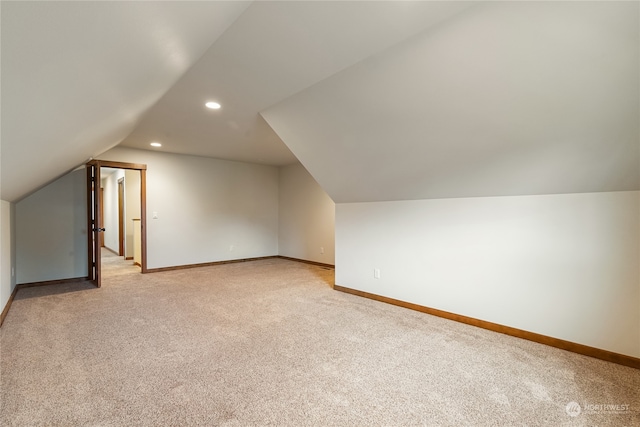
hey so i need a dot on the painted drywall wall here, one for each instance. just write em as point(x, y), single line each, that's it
point(132, 207)
point(564, 266)
point(7, 250)
point(206, 209)
point(51, 231)
point(306, 217)
point(110, 205)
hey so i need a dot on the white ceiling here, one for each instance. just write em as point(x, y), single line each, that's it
point(274, 50)
point(379, 100)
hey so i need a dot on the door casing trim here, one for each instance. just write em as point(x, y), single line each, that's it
point(143, 200)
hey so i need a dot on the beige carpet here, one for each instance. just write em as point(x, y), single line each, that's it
point(270, 343)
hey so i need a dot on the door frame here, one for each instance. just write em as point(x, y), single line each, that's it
point(121, 217)
point(92, 250)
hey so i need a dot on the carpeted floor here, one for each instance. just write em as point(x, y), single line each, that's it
point(270, 343)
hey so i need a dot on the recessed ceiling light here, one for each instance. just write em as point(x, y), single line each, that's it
point(212, 105)
point(156, 144)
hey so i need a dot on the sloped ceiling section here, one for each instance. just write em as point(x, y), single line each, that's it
point(76, 76)
point(507, 98)
point(274, 50)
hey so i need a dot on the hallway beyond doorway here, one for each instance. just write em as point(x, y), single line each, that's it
point(114, 265)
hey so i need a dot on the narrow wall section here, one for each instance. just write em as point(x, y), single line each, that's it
point(110, 209)
point(132, 207)
point(306, 217)
point(7, 252)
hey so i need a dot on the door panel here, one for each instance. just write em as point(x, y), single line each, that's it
point(94, 210)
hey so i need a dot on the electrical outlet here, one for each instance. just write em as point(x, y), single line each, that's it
point(376, 273)
point(13, 272)
point(231, 248)
point(321, 250)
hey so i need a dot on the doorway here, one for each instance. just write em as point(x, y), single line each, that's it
point(110, 223)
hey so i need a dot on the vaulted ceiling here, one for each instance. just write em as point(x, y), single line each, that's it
point(507, 98)
point(78, 76)
point(378, 100)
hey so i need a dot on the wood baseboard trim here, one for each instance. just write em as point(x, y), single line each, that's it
point(137, 263)
point(206, 264)
point(5, 311)
point(319, 264)
point(585, 350)
point(233, 261)
point(52, 282)
point(129, 258)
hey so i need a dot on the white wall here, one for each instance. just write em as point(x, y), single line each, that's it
point(306, 217)
point(110, 204)
point(51, 231)
point(7, 280)
point(208, 209)
point(132, 207)
point(564, 266)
